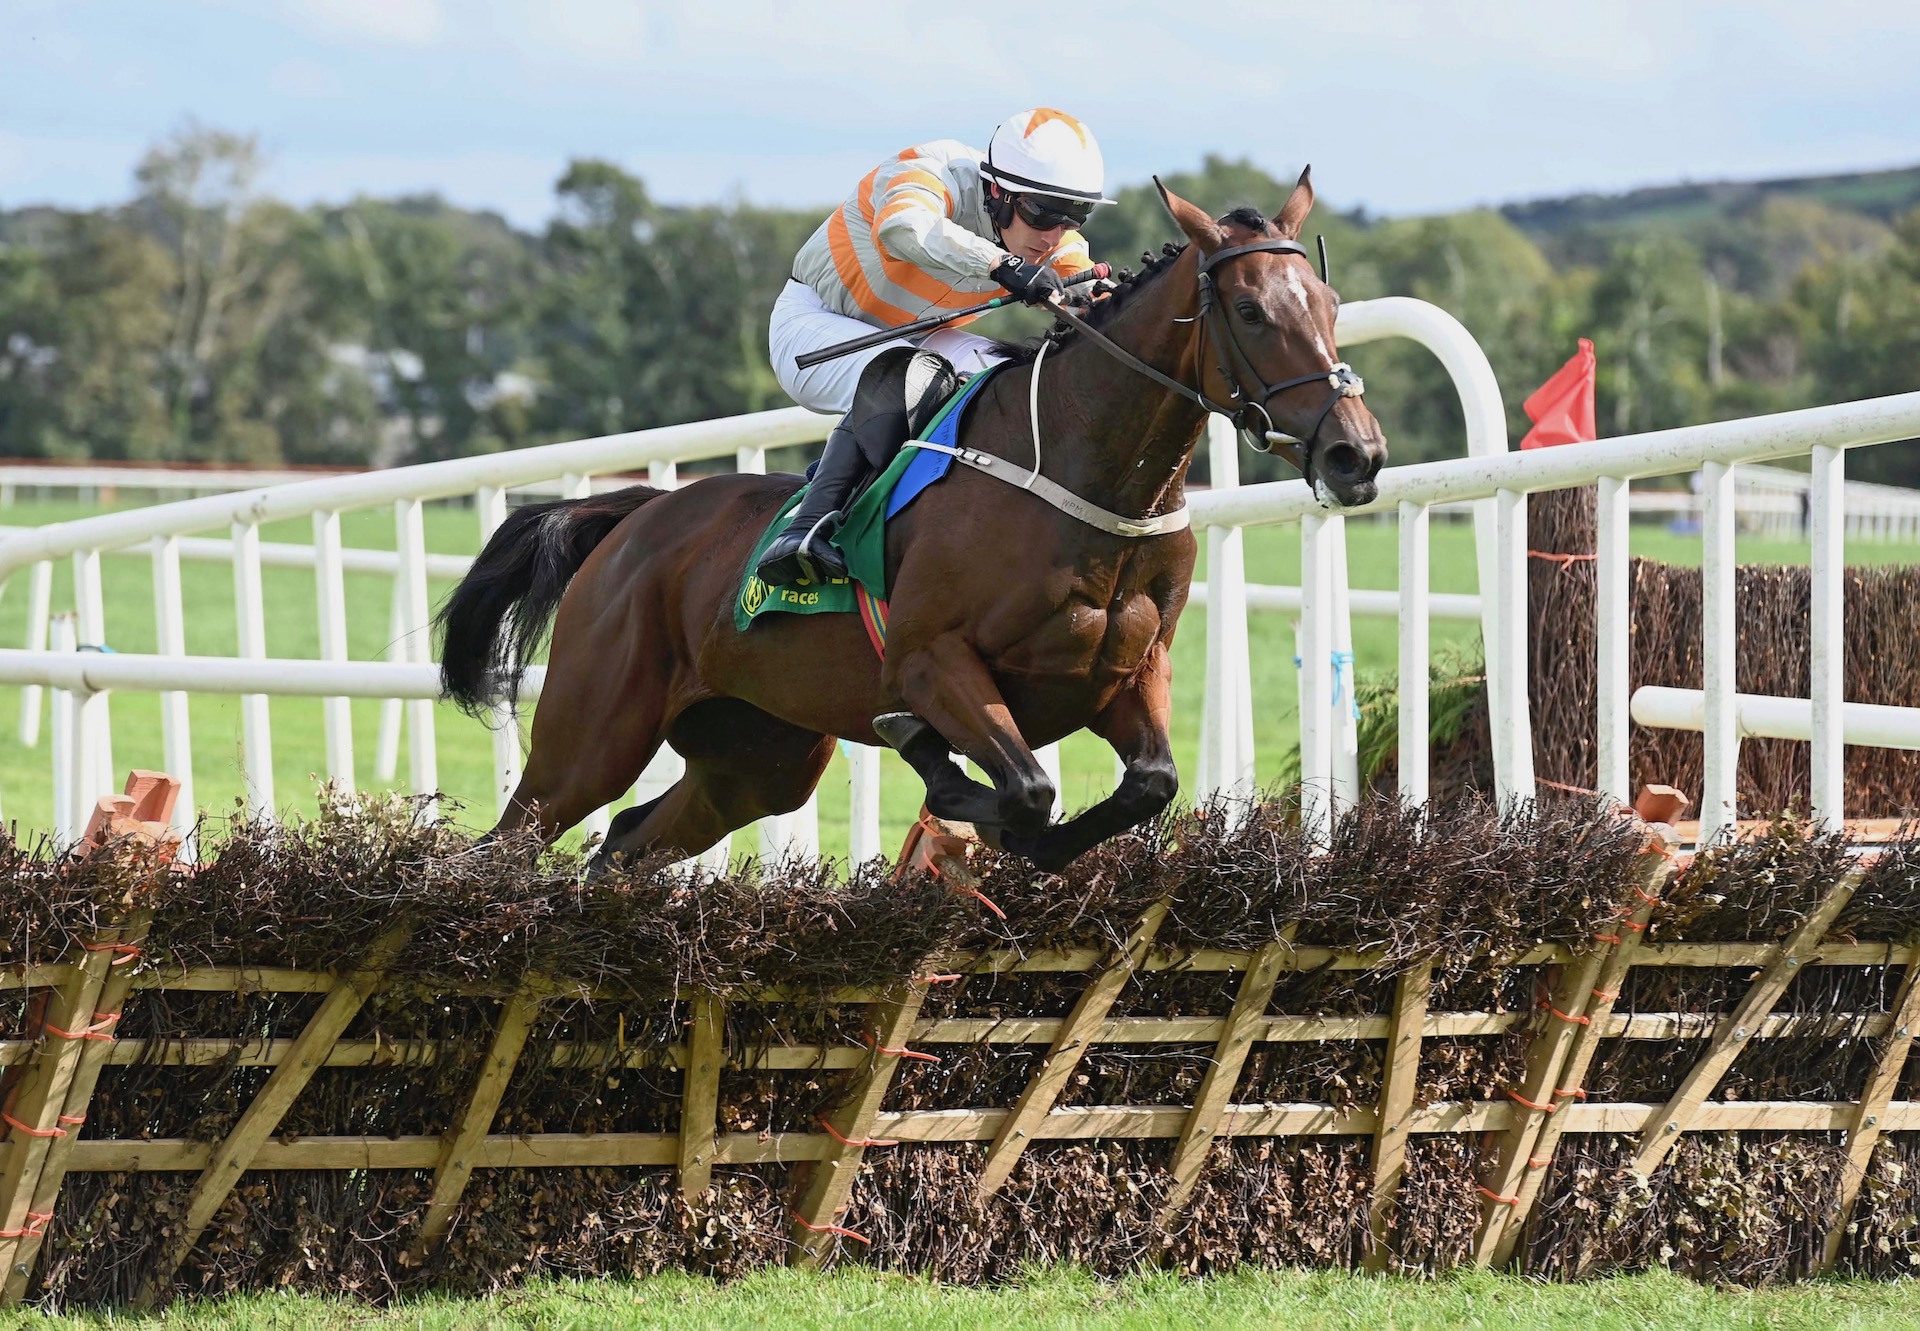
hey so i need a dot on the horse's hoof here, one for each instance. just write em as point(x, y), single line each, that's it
point(1035, 851)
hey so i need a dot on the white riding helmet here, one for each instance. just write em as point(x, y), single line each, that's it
point(1046, 152)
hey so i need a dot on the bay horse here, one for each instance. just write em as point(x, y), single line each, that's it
point(1012, 625)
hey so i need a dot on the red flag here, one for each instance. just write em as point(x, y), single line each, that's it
point(1561, 409)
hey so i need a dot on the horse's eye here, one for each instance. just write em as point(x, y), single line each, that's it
point(1248, 312)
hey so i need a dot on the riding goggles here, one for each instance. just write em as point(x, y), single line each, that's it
point(1044, 212)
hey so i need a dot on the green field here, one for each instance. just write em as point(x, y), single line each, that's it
point(1327, 1301)
point(465, 761)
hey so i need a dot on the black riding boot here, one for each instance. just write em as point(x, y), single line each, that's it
point(802, 551)
point(899, 393)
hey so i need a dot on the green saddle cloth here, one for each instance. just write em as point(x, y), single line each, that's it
point(861, 540)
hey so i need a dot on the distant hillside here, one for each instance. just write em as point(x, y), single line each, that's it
point(1882, 195)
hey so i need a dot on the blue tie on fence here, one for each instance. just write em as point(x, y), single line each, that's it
point(1342, 671)
point(1342, 667)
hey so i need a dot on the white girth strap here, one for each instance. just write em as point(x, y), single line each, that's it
point(1060, 497)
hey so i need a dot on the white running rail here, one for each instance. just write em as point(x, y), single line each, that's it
point(164, 529)
point(1822, 435)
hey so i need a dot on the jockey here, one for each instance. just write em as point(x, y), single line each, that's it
point(940, 227)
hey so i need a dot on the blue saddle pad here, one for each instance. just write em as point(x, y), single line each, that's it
point(927, 465)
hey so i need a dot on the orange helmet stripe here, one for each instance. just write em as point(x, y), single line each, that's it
point(1043, 115)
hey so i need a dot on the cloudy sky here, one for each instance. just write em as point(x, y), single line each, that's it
point(1401, 106)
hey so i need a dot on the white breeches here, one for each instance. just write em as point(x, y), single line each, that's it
point(801, 323)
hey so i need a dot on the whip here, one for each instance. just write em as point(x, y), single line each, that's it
point(874, 339)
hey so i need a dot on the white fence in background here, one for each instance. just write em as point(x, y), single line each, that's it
point(103, 482)
point(163, 530)
point(1494, 480)
point(1778, 503)
point(1821, 434)
point(1769, 501)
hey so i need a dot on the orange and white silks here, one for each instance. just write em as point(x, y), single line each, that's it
point(914, 240)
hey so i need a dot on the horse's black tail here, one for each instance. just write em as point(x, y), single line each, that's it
point(499, 613)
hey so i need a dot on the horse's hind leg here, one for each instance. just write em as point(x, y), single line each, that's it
point(742, 765)
point(585, 754)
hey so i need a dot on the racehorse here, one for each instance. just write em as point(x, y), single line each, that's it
point(1013, 622)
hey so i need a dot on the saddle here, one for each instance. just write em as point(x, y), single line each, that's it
point(862, 538)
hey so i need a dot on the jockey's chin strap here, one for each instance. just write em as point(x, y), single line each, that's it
point(1247, 411)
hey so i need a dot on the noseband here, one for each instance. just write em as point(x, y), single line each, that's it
point(1248, 411)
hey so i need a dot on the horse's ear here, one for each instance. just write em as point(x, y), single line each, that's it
point(1293, 213)
point(1199, 228)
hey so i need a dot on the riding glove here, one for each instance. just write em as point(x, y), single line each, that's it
point(1032, 282)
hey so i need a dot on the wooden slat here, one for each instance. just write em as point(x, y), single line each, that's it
point(1676, 1116)
point(947, 1125)
point(700, 1095)
point(1064, 1055)
point(559, 1149)
point(260, 979)
point(415, 1053)
point(40, 1099)
point(1548, 1053)
point(1870, 1115)
point(114, 992)
point(1401, 1077)
point(1242, 1027)
point(829, 1183)
point(1500, 1236)
point(1858, 831)
point(35, 977)
point(1663, 1027)
point(1717, 955)
point(1044, 1030)
point(456, 1162)
point(233, 1156)
point(1666, 1027)
point(542, 1151)
point(237, 979)
point(1742, 1116)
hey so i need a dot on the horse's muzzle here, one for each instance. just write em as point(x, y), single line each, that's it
point(1346, 471)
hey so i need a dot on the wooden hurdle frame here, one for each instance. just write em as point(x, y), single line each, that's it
point(1527, 1121)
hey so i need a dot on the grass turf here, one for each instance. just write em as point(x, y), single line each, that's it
point(464, 748)
point(1326, 1300)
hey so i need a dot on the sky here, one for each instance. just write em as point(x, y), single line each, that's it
point(1401, 107)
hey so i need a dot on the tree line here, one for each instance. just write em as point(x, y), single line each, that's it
point(203, 320)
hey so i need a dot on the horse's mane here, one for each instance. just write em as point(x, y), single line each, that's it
point(1129, 284)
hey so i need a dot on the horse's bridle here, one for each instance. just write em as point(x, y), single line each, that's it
point(1248, 412)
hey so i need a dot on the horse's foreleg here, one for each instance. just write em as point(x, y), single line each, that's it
point(947, 685)
point(1135, 723)
point(951, 793)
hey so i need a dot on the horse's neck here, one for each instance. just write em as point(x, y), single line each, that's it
point(1109, 433)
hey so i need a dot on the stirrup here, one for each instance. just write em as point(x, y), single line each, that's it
point(815, 572)
point(818, 569)
point(822, 568)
